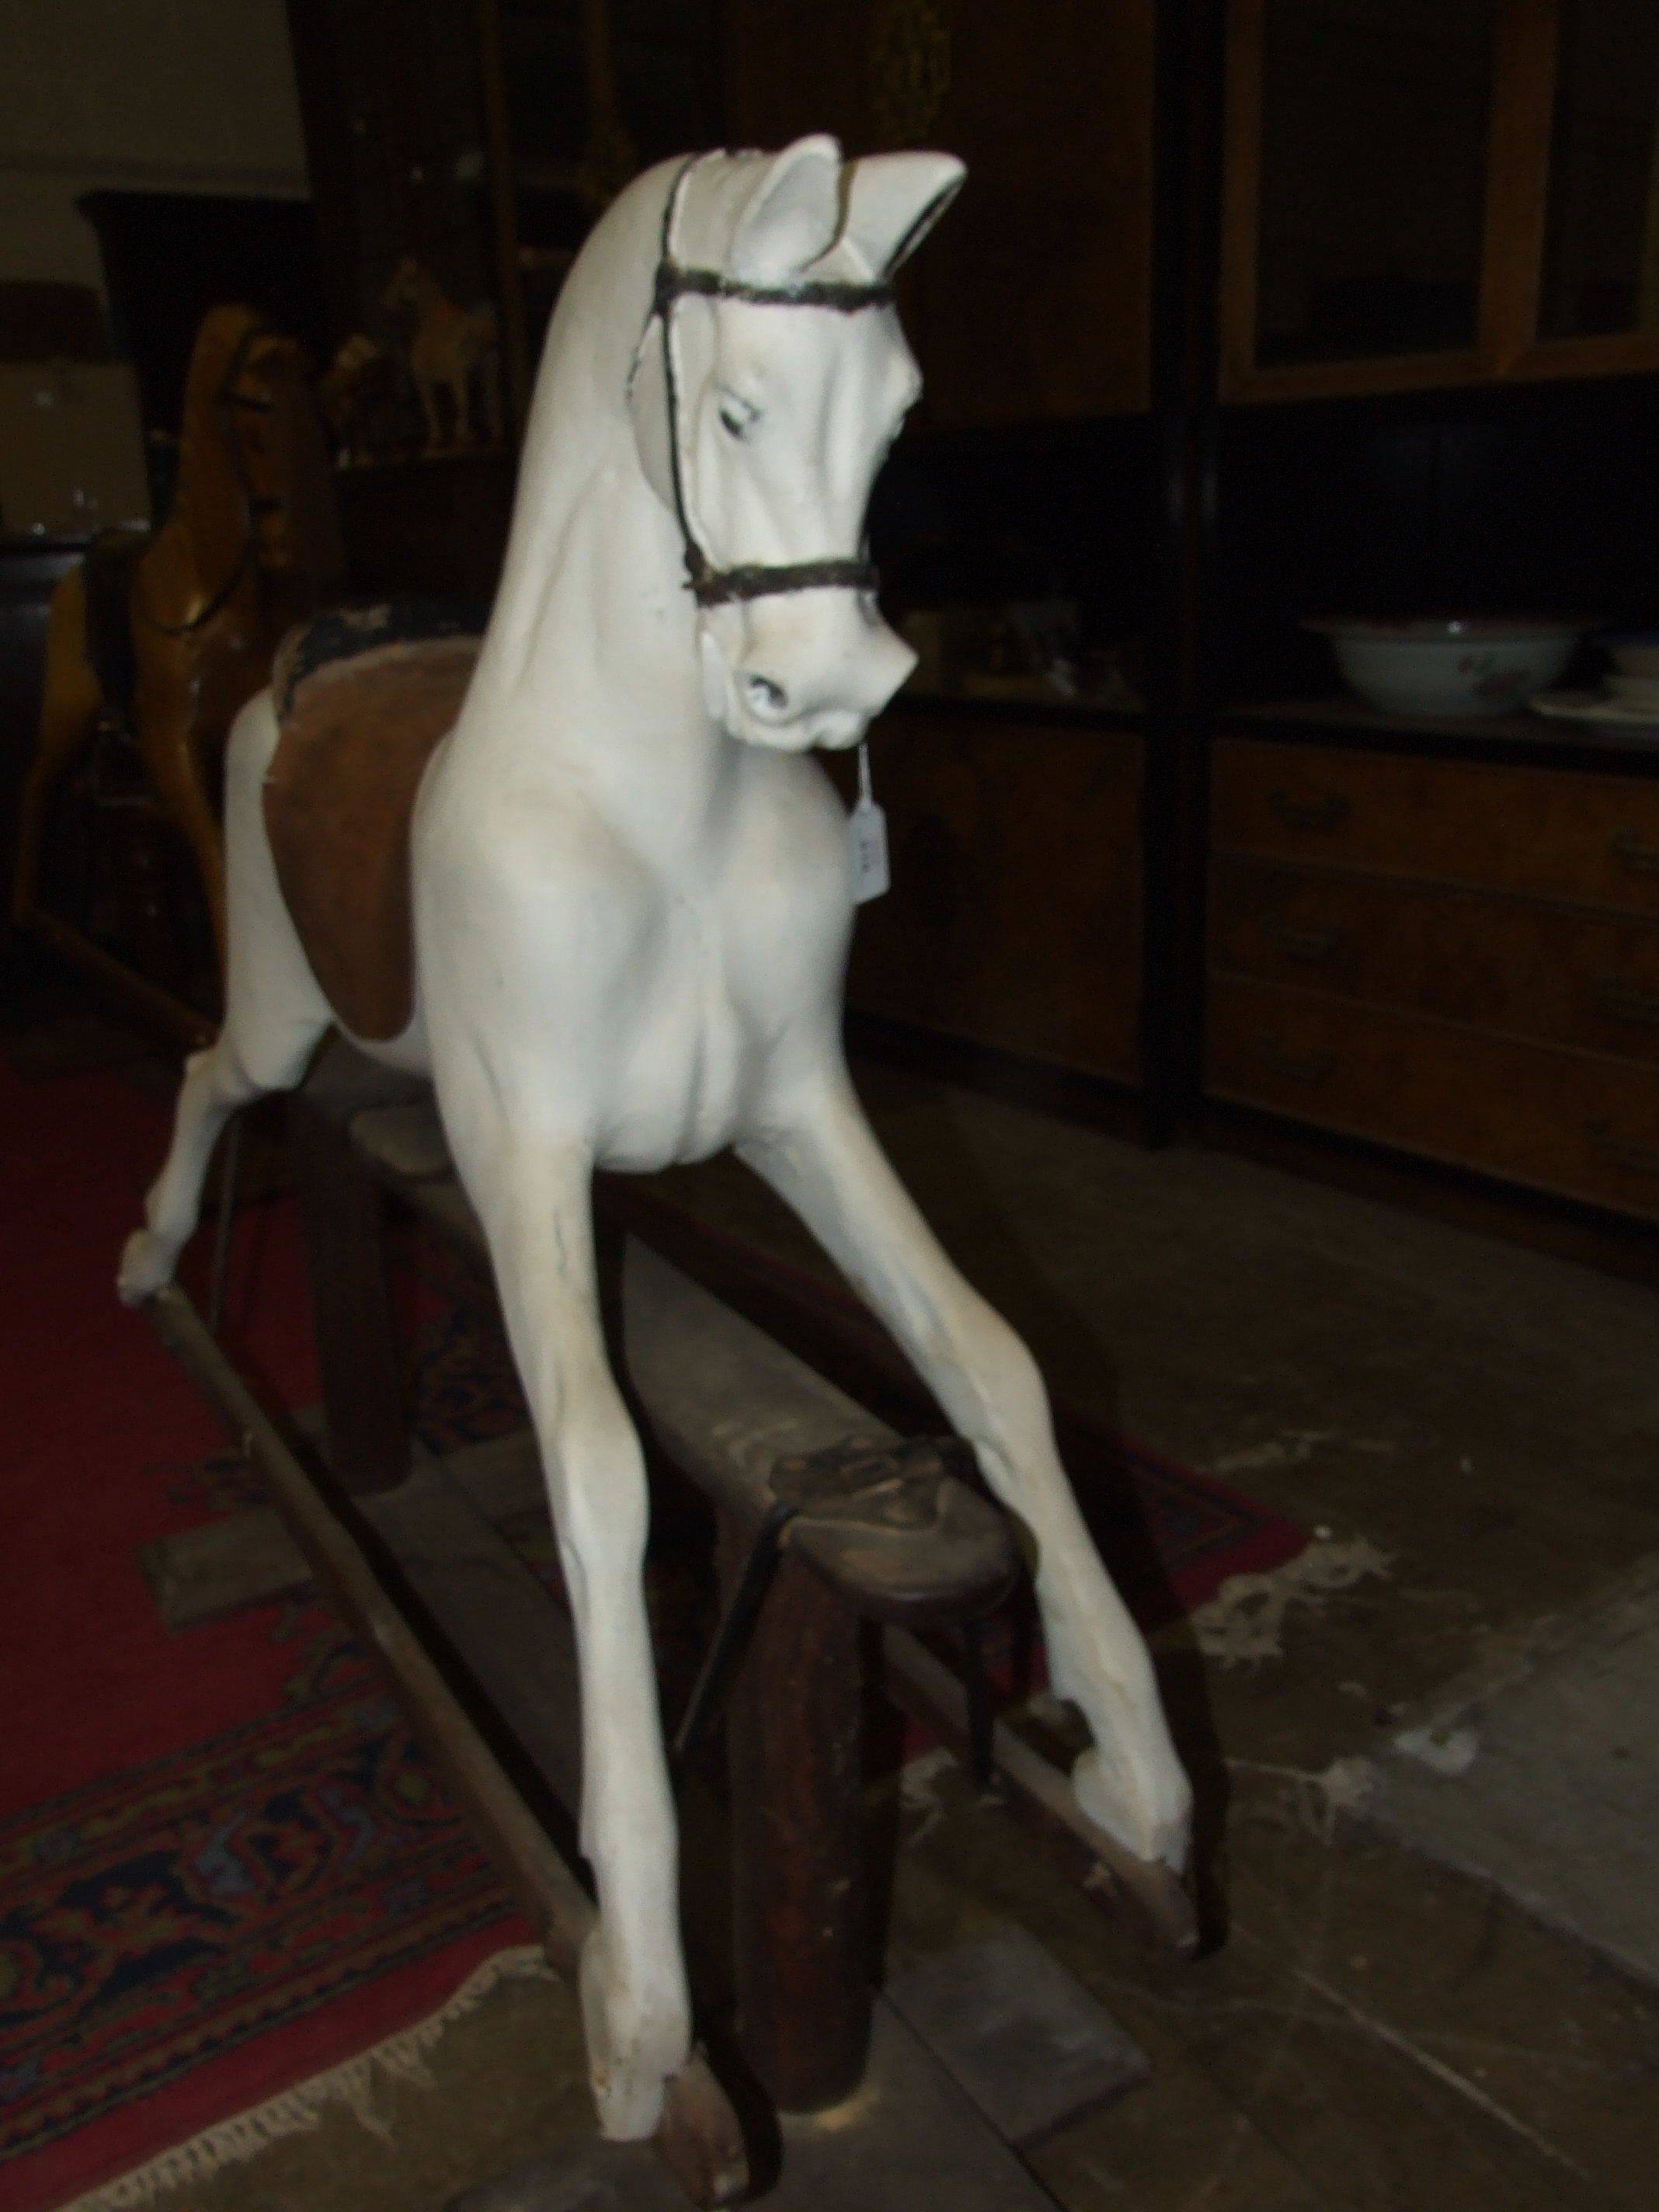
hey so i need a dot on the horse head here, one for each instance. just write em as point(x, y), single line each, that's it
point(771, 380)
point(286, 468)
point(279, 449)
point(256, 484)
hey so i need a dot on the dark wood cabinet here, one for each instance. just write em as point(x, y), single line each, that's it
point(392, 100)
point(1032, 299)
point(1014, 918)
point(1454, 957)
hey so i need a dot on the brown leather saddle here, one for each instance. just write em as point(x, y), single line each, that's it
point(363, 695)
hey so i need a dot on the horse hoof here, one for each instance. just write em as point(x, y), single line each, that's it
point(699, 2139)
point(146, 1265)
point(1159, 1900)
point(1156, 1891)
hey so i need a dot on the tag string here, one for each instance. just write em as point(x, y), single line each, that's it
point(866, 796)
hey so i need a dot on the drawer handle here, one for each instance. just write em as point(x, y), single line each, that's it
point(1300, 1066)
point(1626, 1002)
point(1305, 814)
point(1629, 847)
point(1302, 943)
point(1623, 1152)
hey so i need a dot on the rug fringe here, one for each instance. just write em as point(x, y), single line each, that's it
point(400, 2058)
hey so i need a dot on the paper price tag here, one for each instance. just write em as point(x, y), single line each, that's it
point(866, 835)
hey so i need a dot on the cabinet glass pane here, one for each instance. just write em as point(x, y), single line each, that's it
point(1374, 123)
point(1602, 237)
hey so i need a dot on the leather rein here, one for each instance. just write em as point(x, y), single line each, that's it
point(711, 586)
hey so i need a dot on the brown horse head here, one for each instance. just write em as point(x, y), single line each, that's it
point(255, 463)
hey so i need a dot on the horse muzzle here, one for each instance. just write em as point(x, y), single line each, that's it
point(811, 668)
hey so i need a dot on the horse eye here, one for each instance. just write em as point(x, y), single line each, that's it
point(737, 415)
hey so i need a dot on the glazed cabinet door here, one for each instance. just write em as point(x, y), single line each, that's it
point(1032, 299)
point(1424, 192)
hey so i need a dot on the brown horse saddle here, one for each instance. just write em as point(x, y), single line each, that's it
point(363, 697)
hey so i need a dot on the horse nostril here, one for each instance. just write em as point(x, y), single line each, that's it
point(765, 697)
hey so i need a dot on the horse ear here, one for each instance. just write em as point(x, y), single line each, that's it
point(792, 216)
point(893, 202)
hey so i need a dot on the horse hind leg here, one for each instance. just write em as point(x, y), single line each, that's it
point(215, 1085)
point(275, 1015)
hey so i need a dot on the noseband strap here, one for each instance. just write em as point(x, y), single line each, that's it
point(711, 586)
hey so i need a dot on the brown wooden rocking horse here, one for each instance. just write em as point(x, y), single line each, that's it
point(167, 636)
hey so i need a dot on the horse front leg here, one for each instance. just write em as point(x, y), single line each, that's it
point(535, 1201)
point(821, 1155)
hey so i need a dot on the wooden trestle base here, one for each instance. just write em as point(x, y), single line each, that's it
point(727, 1404)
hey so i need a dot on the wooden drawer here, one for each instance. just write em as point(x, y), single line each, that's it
point(1562, 1120)
point(1550, 832)
point(1014, 918)
point(1576, 975)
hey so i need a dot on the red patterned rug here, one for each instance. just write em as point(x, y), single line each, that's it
point(226, 1869)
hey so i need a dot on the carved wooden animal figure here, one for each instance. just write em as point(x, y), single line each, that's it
point(252, 538)
point(452, 348)
point(632, 899)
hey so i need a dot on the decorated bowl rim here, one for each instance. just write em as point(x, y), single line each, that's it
point(1452, 629)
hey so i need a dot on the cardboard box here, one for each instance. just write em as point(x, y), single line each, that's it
point(71, 448)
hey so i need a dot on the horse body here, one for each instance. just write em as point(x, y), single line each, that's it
point(632, 899)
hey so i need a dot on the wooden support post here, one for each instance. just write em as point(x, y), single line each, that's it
point(343, 1215)
point(795, 1755)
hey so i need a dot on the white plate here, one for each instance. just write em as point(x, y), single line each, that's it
point(1593, 707)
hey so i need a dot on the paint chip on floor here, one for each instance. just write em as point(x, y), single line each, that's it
point(1449, 1751)
point(1243, 1622)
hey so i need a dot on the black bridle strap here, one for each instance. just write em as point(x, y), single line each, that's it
point(674, 282)
point(711, 586)
point(714, 587)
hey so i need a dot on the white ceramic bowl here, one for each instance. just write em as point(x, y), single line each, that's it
point(1486, 665)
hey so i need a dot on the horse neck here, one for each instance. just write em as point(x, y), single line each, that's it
point(203, 541)
point(589, 663)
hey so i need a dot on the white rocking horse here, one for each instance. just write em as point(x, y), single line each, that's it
point(632, 898)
